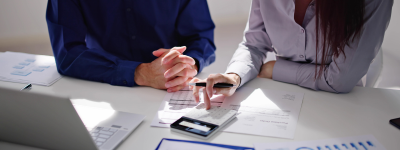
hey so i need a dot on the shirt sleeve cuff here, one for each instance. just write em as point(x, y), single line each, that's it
point(285, 71)
point(126, 73)
point(243, 70)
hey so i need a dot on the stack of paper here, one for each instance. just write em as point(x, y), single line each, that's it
point(28, 68)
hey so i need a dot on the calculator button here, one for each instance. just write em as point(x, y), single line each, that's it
point(99, 143)
point(100, 140)
point(106, 129)
point(104, 136)
point(95, 134)
point(106, 132)
point(112, 130)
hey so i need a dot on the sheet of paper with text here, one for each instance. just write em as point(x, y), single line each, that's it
point(261, 111)
point(28, 68)
point(264, 112)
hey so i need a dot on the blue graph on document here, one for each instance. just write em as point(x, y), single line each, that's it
point(367, 145)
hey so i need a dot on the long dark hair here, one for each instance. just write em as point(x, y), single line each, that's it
point(338, 22)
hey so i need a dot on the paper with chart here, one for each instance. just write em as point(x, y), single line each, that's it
point(366, 142)
point(28, 68)
point(264, 112)
point(177, 104)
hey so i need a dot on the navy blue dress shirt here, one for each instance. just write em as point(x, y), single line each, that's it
point(105, 40)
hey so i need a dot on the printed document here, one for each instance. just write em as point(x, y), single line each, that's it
point(173, 144)
point(264, 112)
point(260, 111)
point(176, 145)
point(366, 142)
point(28, 68)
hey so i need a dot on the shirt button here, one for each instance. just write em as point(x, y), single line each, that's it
point(124, 82)
point(301, 56)
point(128, 9)
point(133, 37)
point(302, 30)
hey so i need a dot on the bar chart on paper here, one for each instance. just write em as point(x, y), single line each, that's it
point(28, 68)
point(366, 142)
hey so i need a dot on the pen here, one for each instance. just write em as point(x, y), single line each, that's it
point(218, 85)
point(29, 86)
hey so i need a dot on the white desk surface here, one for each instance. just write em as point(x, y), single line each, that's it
point(323, 115)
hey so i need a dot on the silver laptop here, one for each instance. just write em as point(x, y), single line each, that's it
point(52, 122)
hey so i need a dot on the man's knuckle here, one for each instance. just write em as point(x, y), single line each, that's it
point(182, 65)
point(191, 72)
point(185, 73)
point(175, 52)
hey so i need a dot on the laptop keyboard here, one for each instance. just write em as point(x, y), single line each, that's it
point(101, 134)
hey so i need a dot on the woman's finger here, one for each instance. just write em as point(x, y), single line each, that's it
point(194, 80)
point(213, 79)
point(223, 91)
point(195, 89)
point(207, 98)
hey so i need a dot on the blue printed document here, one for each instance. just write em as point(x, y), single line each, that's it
point(173, 144)
point(28, 68)
point(366, 142)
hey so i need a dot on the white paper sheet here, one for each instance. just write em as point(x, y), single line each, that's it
point(264, 112)
point(28, 68)
point(175, 105)
point(366, 142)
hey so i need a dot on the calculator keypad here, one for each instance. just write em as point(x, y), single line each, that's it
point(215, 115)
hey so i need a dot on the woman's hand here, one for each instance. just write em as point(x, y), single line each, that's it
point(212, 79)
point(266, 70)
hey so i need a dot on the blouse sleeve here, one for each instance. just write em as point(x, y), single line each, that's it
point(251, 53)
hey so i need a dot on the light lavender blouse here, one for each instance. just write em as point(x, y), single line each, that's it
point(271, 28)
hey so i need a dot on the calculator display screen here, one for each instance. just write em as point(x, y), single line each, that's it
point(194, 126)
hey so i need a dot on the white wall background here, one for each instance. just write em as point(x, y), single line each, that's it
point(23, 28)
point(22, 19)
